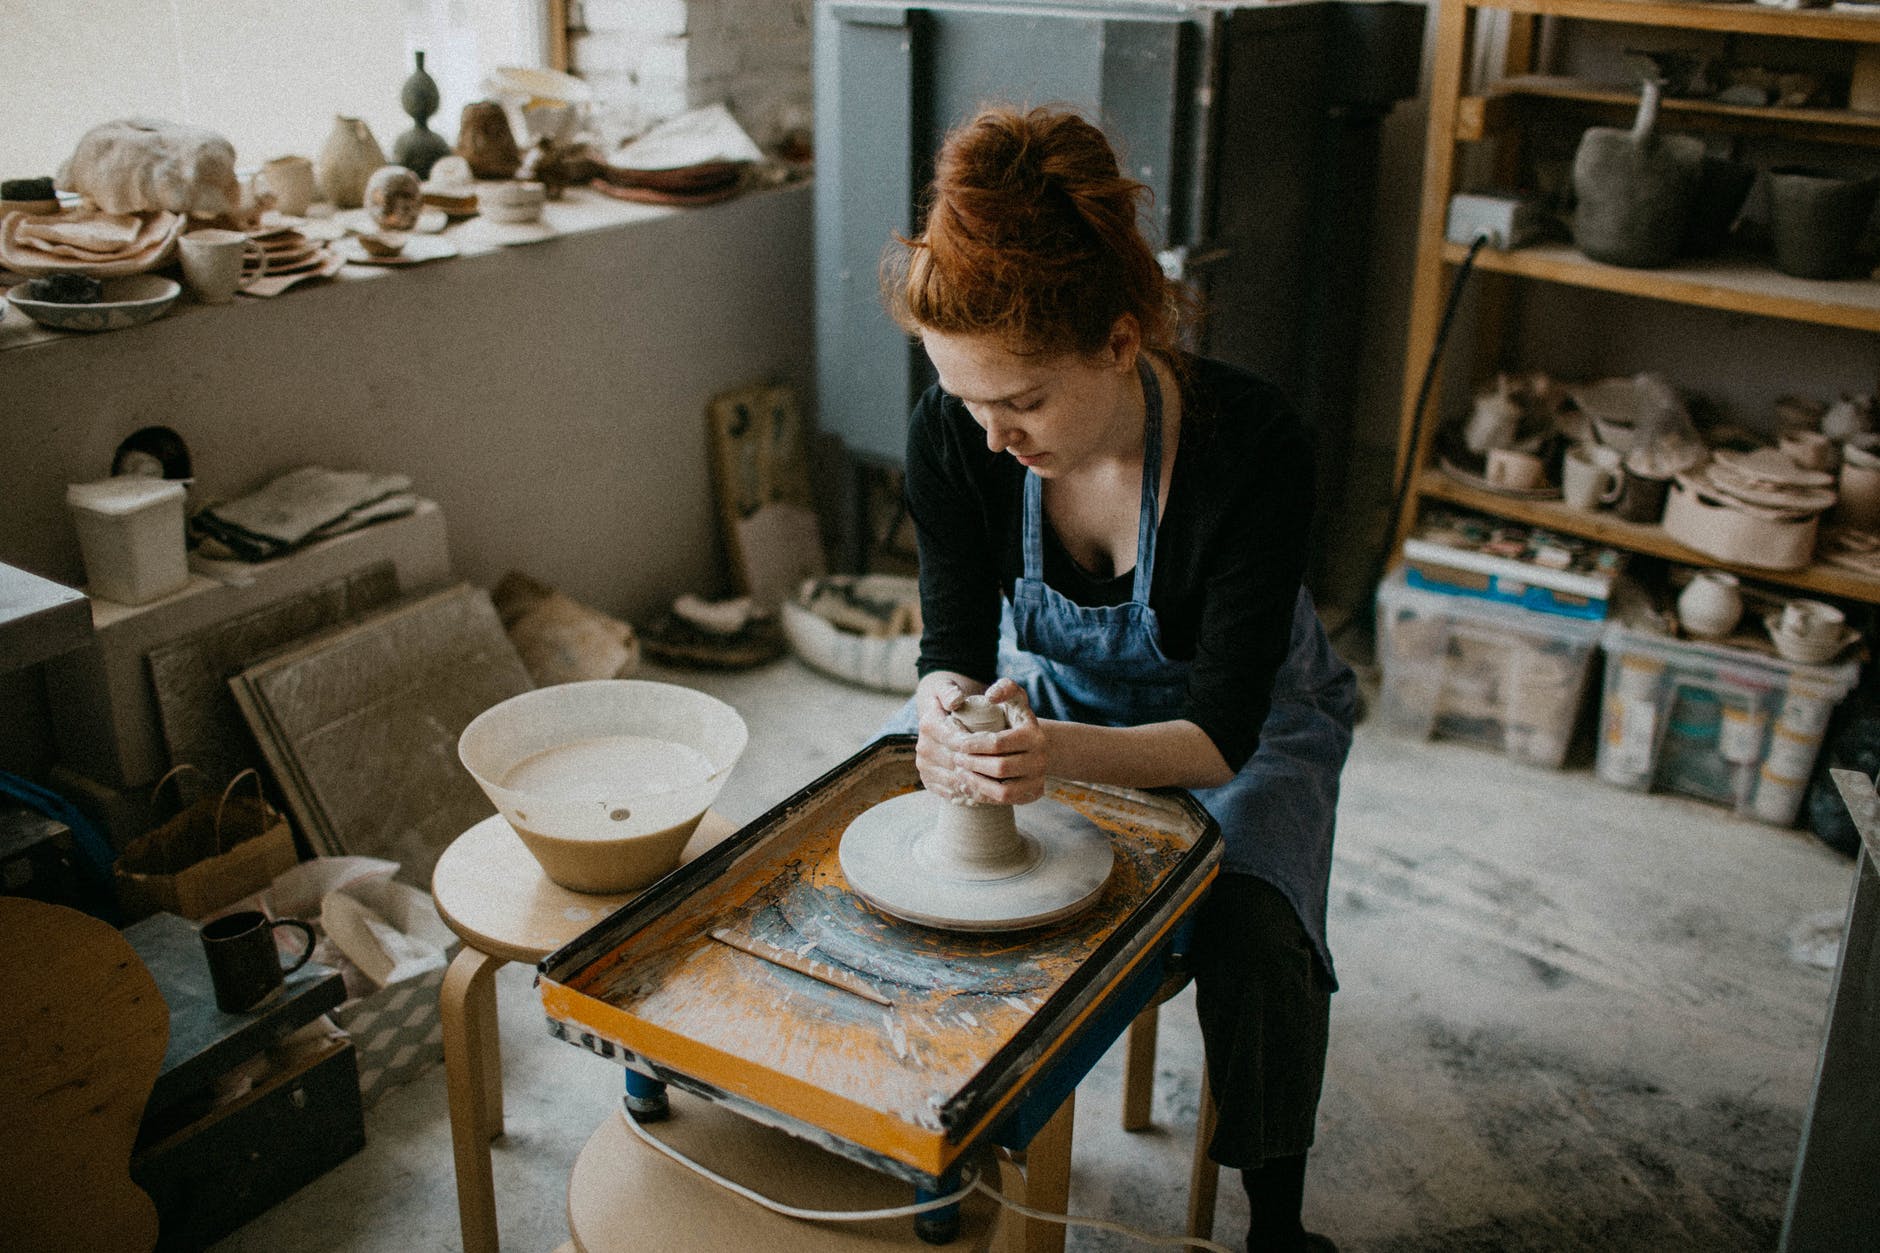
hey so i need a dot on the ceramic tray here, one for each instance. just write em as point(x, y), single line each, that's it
point(979, 1031)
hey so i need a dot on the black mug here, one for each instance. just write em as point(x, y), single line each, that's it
point(244, 965)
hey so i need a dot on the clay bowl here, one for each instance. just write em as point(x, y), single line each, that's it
point(604, 781)
point(127, 302)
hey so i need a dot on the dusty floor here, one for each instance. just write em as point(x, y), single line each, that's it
point(1569, 1020)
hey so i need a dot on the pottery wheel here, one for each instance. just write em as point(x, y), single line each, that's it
point(892, 861)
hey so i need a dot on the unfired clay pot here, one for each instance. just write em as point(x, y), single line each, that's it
point(1711, 604)
point(347, 161)
point(486, 142)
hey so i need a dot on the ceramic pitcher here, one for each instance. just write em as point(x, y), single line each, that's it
point(346, 161)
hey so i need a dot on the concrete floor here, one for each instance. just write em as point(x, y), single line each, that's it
point(1570, 1020)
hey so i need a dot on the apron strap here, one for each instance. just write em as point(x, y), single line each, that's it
point(1151, 480)
point(1032, 529)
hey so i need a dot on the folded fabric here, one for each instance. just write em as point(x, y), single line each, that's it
point(705, 134)
point(301, 501)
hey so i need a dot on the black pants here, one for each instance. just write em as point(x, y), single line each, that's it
point(1264, 1001)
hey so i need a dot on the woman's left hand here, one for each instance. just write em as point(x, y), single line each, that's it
point(1001, 767)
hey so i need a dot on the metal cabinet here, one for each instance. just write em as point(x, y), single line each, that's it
point(1254, 126)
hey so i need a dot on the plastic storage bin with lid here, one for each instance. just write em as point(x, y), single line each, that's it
point(131, 536)
point(1728, 725)
point(1487, 673)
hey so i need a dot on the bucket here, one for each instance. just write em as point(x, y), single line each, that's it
point(130, 534)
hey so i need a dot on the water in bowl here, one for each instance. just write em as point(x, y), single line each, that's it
point(623, 765)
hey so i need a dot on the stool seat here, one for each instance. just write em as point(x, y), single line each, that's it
point(491, 891)
point(624, 1196)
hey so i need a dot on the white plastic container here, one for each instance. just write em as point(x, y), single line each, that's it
point(1727, 725)
point(130, 533)
point(1498, 675)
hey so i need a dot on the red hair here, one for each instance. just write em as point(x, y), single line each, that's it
point(1032, 235)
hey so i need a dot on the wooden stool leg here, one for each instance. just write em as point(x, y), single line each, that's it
point(1047, 1182)
point(1139, 1070)
point(491, 1049)
point(1204, 1176)
point(466, 1004)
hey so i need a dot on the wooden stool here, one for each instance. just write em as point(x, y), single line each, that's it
point(491, 891)
point(624, 1196)
point(1139, 1094)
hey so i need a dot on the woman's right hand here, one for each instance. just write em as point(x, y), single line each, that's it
point(978, 767)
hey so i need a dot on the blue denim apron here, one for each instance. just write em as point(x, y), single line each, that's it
point(1104, 665)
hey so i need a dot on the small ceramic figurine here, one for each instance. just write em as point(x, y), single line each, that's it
point(393, 198)
point(486, 142)
point(419, 148)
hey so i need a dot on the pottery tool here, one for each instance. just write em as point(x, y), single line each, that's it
point(824, 972)
point(965, 867)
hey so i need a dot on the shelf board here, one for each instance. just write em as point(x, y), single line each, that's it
point(1736, 285)
point(1650, 540)
point(1747, 19)
point(1833, 125)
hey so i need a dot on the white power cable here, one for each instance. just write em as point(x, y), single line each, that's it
point(973, 1184)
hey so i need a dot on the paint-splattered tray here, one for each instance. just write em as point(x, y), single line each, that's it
point(974, 1026)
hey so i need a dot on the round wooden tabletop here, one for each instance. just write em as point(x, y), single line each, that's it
point(491, 891)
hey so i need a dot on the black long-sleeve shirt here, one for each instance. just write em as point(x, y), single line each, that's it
point(1230, 553)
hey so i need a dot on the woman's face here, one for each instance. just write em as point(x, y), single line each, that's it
point(1053, 412)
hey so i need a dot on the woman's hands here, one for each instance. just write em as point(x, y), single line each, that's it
point(980, 767)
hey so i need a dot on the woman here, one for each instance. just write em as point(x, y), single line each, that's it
point(1112, 536)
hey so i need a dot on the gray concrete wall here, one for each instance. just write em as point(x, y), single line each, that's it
point(551, 397)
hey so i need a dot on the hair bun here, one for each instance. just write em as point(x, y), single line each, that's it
point(1031, 233)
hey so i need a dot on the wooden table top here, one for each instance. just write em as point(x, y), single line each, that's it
point(491, 891)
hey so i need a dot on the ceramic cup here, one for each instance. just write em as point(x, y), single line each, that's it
point(212, 263)
point(244, 964)
point(1590, 476)
point(290, 181)
point(1858, 500)
point(1812, 621)
point(1816, 219)
point(1518, 471)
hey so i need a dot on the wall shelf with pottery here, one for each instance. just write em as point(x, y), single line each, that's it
point(1515, 117)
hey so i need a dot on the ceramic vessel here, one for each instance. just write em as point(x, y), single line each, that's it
point(347, 161)
point(513, 203)
point(127, 302)
point(290, 180)
point(1634, 189)
point(1816, 220)
point(419, 147)
point(486, 142)
point(560, 764)
point(394, 198)
point(1711, 604)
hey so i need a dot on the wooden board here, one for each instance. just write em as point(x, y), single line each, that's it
point(202, 724)
point(974, 1017)
point(760, 472)
point(360, 725)
point(83, 1030)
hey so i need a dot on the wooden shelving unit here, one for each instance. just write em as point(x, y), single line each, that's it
point(1732, 284)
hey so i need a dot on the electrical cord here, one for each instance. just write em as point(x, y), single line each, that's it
point(1400, 491)
point(973, 1184)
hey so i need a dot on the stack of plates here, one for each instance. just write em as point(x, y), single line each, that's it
point(1768, 483)
point(289, 252)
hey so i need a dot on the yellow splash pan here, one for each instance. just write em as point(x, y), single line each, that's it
point(976, 1026)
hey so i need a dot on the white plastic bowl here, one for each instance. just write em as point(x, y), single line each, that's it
point(572, 770)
